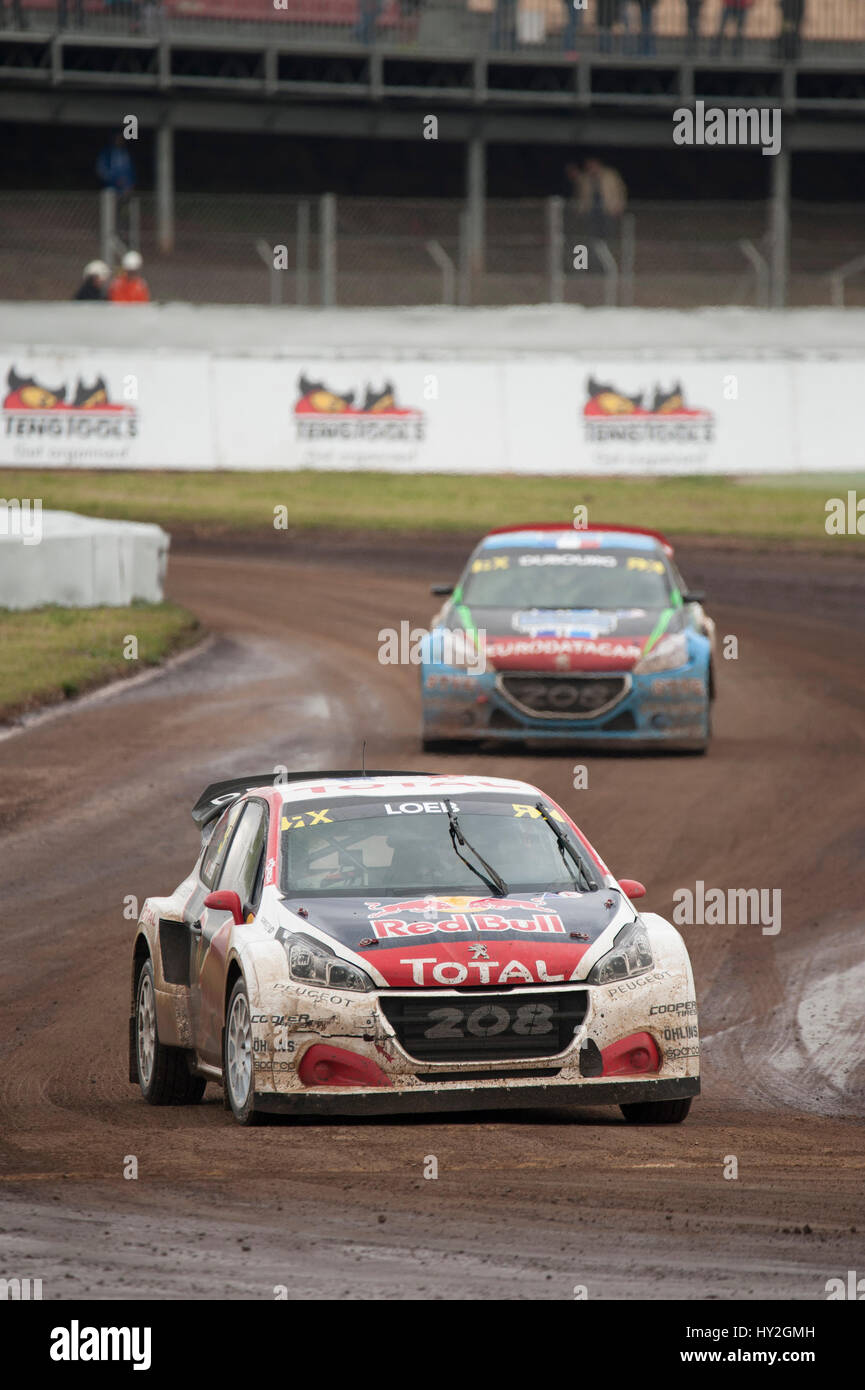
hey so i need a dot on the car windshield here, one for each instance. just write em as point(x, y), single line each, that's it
point(565, 578)
point(403, 845)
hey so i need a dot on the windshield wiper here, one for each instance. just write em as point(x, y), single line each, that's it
point(495, 880)
point(565, 847)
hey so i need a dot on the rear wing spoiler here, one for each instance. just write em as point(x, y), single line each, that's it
point(218, 795)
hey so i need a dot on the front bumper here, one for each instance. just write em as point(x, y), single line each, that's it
point(670, 707)
point(421, 1072)
point(501, 1097)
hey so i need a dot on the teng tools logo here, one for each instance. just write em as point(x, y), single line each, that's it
point(323, 414)
point(32, 409)
point(450, 915)
point(657, 417)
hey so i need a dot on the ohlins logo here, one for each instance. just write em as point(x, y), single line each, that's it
point(659, 417)
point(322, 413)
point(31, 408)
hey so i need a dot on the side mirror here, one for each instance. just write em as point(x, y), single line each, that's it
point(226, 901)
point(442, 590)
point(694, 596)
point(632, 887)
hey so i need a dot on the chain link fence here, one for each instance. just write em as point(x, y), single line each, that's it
point(391, 251)
point(464, 25)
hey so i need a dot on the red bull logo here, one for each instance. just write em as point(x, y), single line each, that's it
point(461, 922)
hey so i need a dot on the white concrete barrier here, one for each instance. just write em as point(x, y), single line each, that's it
point(78, 561)
point(559, 390)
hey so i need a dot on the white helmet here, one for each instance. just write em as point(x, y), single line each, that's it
point(96, 270)
point(132, 261)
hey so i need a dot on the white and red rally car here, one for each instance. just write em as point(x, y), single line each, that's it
point(353, 943)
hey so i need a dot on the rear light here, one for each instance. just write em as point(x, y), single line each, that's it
point(632, 1055)
point(335, 1066)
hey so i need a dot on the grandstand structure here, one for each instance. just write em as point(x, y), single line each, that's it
point(495, 71)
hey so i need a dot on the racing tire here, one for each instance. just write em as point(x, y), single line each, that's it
point(163, 1072)
point(238, 1061)
point(657, 1112)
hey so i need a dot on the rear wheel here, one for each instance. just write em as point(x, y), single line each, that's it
point(163, 1072)
point(656, 1112)
point(238, 1066)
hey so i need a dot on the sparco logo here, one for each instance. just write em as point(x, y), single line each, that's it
point(76, 1343)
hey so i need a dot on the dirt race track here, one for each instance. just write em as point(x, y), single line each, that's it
point(94, 807)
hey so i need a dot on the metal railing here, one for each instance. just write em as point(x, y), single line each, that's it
point(527, 26)
point(390, 251)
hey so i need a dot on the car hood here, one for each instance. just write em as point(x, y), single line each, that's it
point(460, 940)
point(563, 639)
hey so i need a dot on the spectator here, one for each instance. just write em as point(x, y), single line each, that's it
point(63, 7)
point(18, 18)
point(116, 171)
point(737, 10)
point(115, 168)
point(367, 20)
point(128, 286)
point(600, 196)
point(573, 22)
point(608, 13)
point(504, 25)
point(790, 38)
point(693, 40)
point(151, 19)
point(96, 277)
point(646, 42)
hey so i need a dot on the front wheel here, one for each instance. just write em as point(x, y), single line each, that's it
point(656, 1112)
point(238, 1065)
point(163, 1072)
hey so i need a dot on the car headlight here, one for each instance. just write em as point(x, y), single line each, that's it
point(670, 652)
point(631, 955)
point(314, 964)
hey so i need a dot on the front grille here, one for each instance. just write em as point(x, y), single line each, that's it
point(485, 1027)
point(547, 695)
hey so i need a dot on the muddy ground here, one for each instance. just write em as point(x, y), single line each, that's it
point(94, 810)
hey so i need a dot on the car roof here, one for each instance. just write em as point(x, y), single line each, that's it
point(526, 531)
point(409, 785)
point(297, 786)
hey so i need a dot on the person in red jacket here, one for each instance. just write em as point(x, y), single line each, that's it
point(737, 10)
point(128, 286)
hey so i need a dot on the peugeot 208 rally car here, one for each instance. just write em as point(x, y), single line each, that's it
point(370, 943)
point(585, 636)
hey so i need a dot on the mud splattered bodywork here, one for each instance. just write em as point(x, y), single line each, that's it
point(387, 965)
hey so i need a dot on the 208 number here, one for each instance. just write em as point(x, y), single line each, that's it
point(489, 1019)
